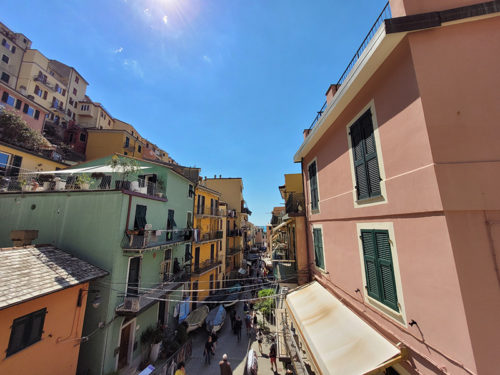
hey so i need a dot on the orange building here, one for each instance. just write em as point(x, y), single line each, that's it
point(43, 294)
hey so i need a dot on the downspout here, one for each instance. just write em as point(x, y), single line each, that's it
point(309, 262)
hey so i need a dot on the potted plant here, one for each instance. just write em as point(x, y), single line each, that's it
point(126, 167)
point(160, 188)
point(151, 340)
point(45, 180)
point(60, 184)
point(25, 184)
point(83, 181)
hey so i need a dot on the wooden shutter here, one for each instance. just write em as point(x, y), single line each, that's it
point(313, 183)
point(318, 248)
point(365, 157)
point(370, 257)
point(386, 270)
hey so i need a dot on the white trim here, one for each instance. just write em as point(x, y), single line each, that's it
point(399, 317)
point(380, 160)
point(319, 226)
point(309, 209)
point(373, 56)
point(130, 351)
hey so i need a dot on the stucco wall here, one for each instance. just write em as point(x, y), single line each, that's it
point(57, 351)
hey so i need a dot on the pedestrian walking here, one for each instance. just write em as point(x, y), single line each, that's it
point(225, 366)
point(255, 321)
point(272, 355)
point(180, 369)
point(208, 351)
point(232, 316)
point(237, 327)
point(214, 337)
point(260, 339)
point(248, 324)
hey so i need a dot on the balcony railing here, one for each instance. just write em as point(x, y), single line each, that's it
point(149, 238)
point(43, 80)
point(295, 203)
point(212, 236)
point(133, 304)
point(208, 211)
point(232, 251)
point(20, 180)
point(234, 233)
point(205, 266)
point(386, 13)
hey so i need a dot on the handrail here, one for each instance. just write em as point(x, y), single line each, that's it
point(385, 13)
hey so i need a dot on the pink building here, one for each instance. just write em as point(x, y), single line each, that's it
point(31, 112)
point(402, 177)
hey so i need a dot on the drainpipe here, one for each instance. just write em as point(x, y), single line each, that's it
point(306, 223)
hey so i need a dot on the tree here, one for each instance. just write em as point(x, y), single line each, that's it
point(266, 303)
point(14, 130)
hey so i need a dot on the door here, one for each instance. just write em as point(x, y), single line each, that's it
point(133, 276)
point(124, 346)
point(170, 224)
point(212, 253)
point(196, 258)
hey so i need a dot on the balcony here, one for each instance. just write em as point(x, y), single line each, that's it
point(207, 237)
point(245, 210)
point(133, 305)
point(205, 266)
point(208, 212)
point(295, 204)
point(137, 241)
point(386, 13)
point(43, 80)
point(234, 233)
point(232, 251)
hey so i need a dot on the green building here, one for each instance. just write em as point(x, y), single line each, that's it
point(138, 230)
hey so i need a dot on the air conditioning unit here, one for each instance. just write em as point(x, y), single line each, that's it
point(132, 303)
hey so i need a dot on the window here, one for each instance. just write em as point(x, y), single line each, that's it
point(140, 217)
point(313, 186)
point(37, 114)
point(13, 49)
point(5, 44)
point(26, 331)
point(71, 101)
point(319, 259)
point(379, 268)
point(77, 80)
point(45, 94)
point(139, 148)
point(83, 137)
point(19, 103)
point(70, 137)
point(5, 59)
point(74, 91)
point(189, 221)
point(191, 191)
point(75, 104)
point(5, 77)
point(38, 91)
point(4, 162)
point(63, 92)
point(68, 111)
point(365, 159)
point(84, 107)
point(6, 98)
point(127, 141)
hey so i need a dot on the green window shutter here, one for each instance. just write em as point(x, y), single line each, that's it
point(318, 248)
point(370, 257)
point(365, 157)
point(386, 270)
point(313, 182)
point(370, 151)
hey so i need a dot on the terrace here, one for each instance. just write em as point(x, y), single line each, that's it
point(138, 241)
point(205, 266)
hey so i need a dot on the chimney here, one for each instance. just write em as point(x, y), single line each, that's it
point(23, 237)
point(306, 133)
point(332, 89)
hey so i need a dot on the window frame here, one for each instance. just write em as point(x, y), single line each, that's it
point(5, 75)
point(382, 198)
point(5, 59)
point(397, 316)
point(320, 228)
point(315, 210)
point(27, 331)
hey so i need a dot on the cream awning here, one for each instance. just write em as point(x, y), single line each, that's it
point(338, 341)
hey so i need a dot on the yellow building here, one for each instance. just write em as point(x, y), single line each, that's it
point(13, 47)
point(52, 84)
point(101, 143)
point(231, 190)
point(91, 114)
point(15, 160)
point(207, 243)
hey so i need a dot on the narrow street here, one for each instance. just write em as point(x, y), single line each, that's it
point(227, 343)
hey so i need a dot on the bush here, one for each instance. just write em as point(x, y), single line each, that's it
point(266, 304)
point(14, 130)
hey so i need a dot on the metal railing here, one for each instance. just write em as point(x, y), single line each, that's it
point(183, 354)
point(232, 251)
point(386, 13)
point(212, 236)
point(208, 211)
point(147, 238)
point(204, 266)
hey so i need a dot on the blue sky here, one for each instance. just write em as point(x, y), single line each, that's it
point(224, 85)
